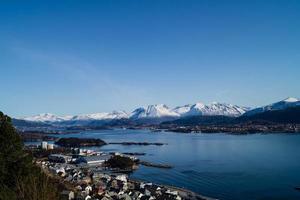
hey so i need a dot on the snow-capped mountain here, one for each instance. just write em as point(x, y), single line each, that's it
point(46, 117)
point(150, 112)
point(286, 103)
point(101, 116)
point(153, 111)
point(155, 114)
point(210, 109)
point(161, 110)
point(51, 118)
point(181, 110)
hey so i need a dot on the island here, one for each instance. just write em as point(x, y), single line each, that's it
point(138, 143)
point(79, 142)
point(120, 162)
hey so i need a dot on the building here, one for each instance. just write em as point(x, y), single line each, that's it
point(44, 145)
point(94, 160)
point(50, 146)
point(59, 158)
point(121, 177)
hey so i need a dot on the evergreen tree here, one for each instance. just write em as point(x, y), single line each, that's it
point(11, 154)
point(19, 177)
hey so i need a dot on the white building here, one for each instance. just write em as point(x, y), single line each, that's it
point(44, 145)
point(121, 177)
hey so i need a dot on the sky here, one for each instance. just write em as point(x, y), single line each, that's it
point(74, 57)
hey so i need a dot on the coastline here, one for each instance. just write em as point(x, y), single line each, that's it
point(146, 135)
point(49, 135)
point(188, 192)
point(71, 186)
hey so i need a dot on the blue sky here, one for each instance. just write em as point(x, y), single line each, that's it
point(71, 57)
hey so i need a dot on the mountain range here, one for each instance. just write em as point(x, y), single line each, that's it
point(160, 113)
point(149, 112)
point(286, 111)
point(281, 105)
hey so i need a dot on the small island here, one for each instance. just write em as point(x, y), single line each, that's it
point(79, 142)
point(120, 162)
point(138, 143)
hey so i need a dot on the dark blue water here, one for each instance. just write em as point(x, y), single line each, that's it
point(222, 166)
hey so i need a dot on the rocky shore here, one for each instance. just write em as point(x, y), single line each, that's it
point(150, 164)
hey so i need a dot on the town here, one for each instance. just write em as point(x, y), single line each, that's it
point(239, 129)
point(91, 175)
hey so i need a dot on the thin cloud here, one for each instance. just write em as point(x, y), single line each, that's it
point(96, 81)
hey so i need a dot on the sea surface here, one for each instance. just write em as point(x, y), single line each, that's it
point(229, 167)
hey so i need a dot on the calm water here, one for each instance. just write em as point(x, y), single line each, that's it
point(222, 166)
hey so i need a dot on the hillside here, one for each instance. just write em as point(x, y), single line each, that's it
point(288, 115)
point(25, 123)
point(19, 177)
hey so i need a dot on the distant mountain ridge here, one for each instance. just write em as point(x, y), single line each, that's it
point(212, 109)
point(151, 113)
point(44, 117)
point(285, 111)
point(101, 116)
point(280, 105)
point(24, 123)
point(290, 115)
point(155, 114)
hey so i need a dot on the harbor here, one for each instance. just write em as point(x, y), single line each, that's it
point(207, 163)
point(88, 174)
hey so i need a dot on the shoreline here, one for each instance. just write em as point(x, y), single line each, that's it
point(183, 193)
point(236, 129)
point(186, 183)
point(191, 193)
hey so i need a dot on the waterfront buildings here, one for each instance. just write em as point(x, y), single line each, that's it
point(94, 160)
point(58, 158)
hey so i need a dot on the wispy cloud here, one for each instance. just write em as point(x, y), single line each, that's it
point(96, 81)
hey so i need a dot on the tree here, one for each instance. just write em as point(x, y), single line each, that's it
point(12, 157)
point(19, 177)
point(120, 162)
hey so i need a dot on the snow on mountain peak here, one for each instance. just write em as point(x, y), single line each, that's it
point(48, 117)
point(280, 105)
point(44, 117)
point(102, 116)
point(199, 105)
point(138, 113)
point(117, 114)
point(153, 111)
point(210, 109)
point(160, 110)
point(182, 109)
point(291, 99)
